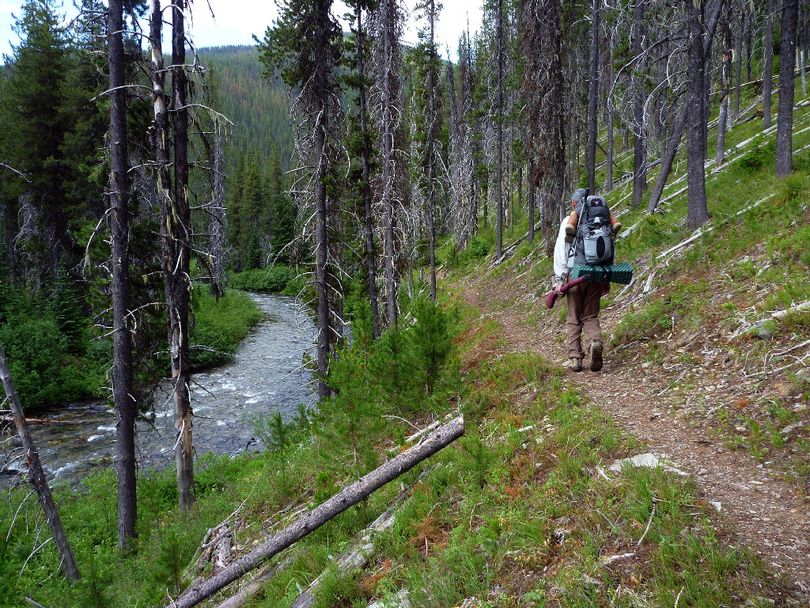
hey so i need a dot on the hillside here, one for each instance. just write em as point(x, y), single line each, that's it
point(259, 108)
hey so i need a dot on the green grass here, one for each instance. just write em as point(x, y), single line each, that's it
point(278, 278)
point(219, 326)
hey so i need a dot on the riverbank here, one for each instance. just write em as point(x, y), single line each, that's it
point(57, 357)
point(264, 376)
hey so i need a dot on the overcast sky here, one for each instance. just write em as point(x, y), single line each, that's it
point(237, 20)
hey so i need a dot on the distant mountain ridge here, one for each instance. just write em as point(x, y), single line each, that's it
point(258, 107)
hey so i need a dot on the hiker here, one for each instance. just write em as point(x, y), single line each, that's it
point(583, 300)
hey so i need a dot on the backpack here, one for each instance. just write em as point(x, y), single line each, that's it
point(594, 240)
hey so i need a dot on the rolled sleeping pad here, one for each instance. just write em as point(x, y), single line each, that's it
point(614, 273)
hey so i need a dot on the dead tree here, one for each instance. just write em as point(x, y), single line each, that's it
point(218, 224)
point(767, 76)
point(639, 116)
point(387, 73)
point(431, 144)
point(175, 227)
point(784, 129)
point(333, 507)
point(697, 212)
point(37, 476)
point(593, 96)
point(725, 92)
point(499, 128)
point(545, 108)
point(121, 373)
point(368, 225)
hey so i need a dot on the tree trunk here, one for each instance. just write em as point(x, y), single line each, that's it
point(593, 97)
point(320, 91)
point(531, 202)
point(697, 213)
point(640, 144)
point(738, 66)
point(784, 129)
point(431, 148)
point(368, 227)
point(333, 507)
point(725, 93)
point(499, 127)
point(176, 267)
point(767, 77)
point(37, 476)
point(122, 379)
point(218, 224)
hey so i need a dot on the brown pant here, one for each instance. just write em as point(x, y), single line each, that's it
point(583, 315)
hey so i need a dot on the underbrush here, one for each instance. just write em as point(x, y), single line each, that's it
point(278, 278)
point(219, 326)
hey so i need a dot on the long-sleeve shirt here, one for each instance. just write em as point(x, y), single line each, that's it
point(561, 251)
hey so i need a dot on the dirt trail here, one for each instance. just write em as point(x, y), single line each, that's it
point(769, 515)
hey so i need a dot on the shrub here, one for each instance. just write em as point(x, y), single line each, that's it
point(219, 326)
point(272, 279)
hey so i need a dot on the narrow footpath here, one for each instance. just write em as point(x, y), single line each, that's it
point(769, 515)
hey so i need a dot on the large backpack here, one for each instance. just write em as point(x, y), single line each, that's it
point(594, 240)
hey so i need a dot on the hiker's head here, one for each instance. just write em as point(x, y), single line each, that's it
point(577, 196)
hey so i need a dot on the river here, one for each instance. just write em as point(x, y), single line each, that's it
point(265, 377)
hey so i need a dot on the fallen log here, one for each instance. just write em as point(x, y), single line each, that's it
point(348, 497)
point(36, 475)
point(253, 587)
point(358, 555)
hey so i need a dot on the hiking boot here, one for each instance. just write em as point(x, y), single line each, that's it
point(574, 364)
point(596, 356)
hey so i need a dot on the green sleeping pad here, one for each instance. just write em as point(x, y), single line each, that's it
point(615, 273)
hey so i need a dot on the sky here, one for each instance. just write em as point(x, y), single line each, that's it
point(236, 21)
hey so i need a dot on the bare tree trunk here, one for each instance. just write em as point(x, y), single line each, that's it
point(368, 227)
point(609, 118)
point(218, 225)
point(640, 144)
point(387, 75)
point(725, 92)
point(784, 129)
point(320, 91)
point(499, 127)
point(738, 64)
point(697, 213)
point(803, 72)
point(313, 520)
point(432, 158)
point(531, 203)
point(37, 476)
point(593, 96)
point(122, 379)
point(767, 77)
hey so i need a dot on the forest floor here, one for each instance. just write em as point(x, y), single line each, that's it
point(766, 506)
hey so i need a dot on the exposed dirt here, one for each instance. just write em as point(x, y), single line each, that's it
point(770, 514)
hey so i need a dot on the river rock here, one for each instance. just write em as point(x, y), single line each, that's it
point(648, 460)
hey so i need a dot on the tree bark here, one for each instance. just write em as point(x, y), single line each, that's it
point(767, 77)
point(122, 378)
point(531, 202)
point(499, 127)
point(784, 129)
point(738, 65)
point(640, 143)
point(725, 93)
point(593, 96)
point(697, 212)
point(431, 146)
point(37, 476)
point(177, 239)
point(334, 506)
point(368, 227)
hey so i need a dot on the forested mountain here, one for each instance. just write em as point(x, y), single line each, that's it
point(259, 107)
point(433, 211)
